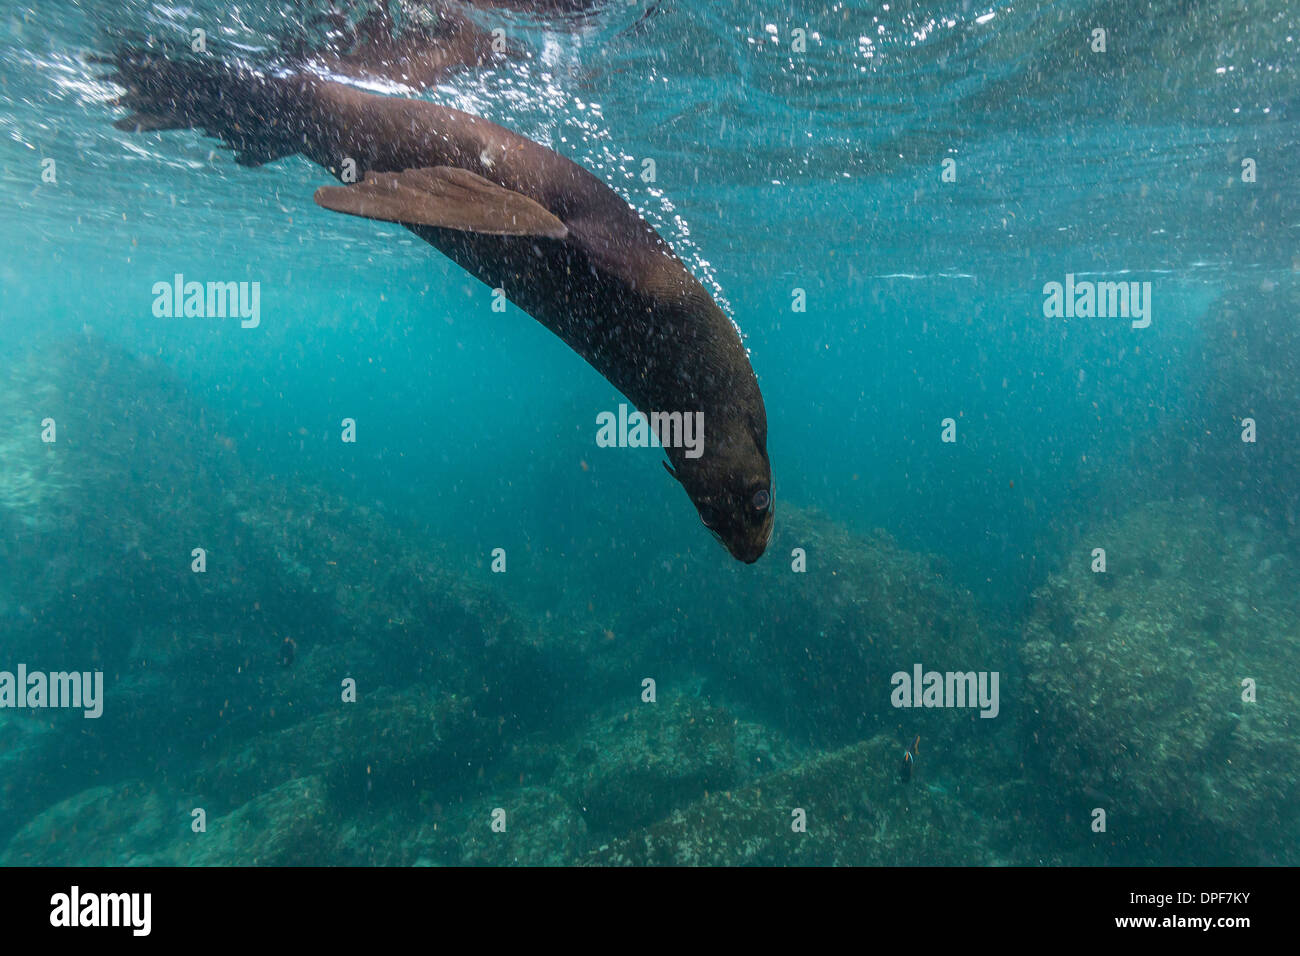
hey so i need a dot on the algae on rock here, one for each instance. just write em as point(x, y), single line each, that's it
point(1136, 678)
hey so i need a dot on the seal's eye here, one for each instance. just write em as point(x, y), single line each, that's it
point(709, 515)
point(761, 500)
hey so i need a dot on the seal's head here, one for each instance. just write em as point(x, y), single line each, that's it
point(731, 487)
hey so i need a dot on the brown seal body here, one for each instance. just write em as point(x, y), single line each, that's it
point(562, 245)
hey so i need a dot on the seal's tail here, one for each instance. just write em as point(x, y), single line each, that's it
point(258, 115)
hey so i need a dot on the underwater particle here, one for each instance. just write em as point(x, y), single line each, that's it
point(1150, 567)
point(909, 759)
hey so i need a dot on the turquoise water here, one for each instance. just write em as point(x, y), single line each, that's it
point(777, 170)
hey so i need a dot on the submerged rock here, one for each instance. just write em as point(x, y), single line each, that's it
point(535, 827)
point(1141, 713)
point(857, 814)
point(627, 770)
point(292, 825)
point(99, 529)
point(101, 543)
point(383, 747)
point(121, 825)
point(138, 824)
point(813, 652)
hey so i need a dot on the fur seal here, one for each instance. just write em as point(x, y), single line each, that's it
point(518, 216)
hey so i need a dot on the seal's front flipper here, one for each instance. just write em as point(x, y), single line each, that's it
point(445, 197)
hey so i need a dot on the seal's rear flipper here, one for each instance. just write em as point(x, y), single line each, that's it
point(444, 197)
point(257, 114)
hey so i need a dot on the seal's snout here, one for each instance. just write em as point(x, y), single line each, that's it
point(744, 530)
point(750, 546)
point(732, 491)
